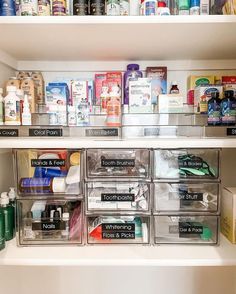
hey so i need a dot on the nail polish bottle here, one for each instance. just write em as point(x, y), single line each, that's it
point(28, 232)
point(66, 219)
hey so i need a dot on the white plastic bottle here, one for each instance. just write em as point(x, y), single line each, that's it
point(12, 107)
point(26, 114)
point(1, 107)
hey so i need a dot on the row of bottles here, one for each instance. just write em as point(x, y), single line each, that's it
point(222, 111)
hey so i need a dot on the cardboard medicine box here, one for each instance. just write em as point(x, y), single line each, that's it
point(228, 214)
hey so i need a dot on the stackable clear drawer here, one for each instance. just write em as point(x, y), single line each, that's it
point(48, 171)
point(111, 197)
point(118, 163)
point(186, 163)
point(50, 222)
point(118, 229)
point(186, 197)
point(189, 229)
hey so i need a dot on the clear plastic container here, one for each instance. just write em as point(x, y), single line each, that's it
point(118, 163)
point(189, 229)
point(118, 229)
point(53, 221)
point(186, 197)
point(186, 163)
point(110, 197)
point(48, 171)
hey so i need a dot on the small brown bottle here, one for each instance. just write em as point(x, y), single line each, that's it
point(174, 88)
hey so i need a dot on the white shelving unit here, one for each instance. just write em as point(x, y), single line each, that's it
point(90, 44)
point(116, 255)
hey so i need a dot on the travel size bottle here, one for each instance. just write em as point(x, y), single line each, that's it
point(28, 232)
point(66, 219)
point(174, 88)
point(8, 212)
point(228, 108)
point(213, 110)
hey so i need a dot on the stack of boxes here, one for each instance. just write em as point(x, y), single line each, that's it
point(117, 193)
point(186, 196)
point(50, 206)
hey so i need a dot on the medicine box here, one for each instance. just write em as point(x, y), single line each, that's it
point(228, 214)
point(158, 76)
point(170, 103)
point(50, 221)
point(140, 92)
point(48, 171)
point(194, 81)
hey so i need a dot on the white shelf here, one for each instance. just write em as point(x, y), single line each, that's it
point(72, 38)
point(83, 143)
point(165, 255)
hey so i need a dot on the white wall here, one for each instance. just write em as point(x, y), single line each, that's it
point(117, 280)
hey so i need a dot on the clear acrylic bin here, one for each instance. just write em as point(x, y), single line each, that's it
point(186, 229)
point(54, 221)
point(113, 197)
point(186, 163)
point(118, 230)
point(118, 163)
point(186, 197)
point(48, 171)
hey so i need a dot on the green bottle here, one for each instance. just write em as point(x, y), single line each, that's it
point(8, 211)
point(12, 202)
point(2, 229)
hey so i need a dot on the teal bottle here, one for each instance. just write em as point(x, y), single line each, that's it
point(9, 216)
point(2, 229)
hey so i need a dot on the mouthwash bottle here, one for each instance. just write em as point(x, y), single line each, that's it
point(8, 212)
point(214, 109)
point(228, 108)
point(2, 229)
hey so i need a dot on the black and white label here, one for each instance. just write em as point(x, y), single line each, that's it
point(48, 226)
point(231, 131)
point(151, 132)
point(101, 132)
point(186, 196)
point(118, 231)
point(118, 197)
point(193, 163)
point(190, 229)
point(117, 162)
point(9, 133)
point(45, 132)
point(48, 162)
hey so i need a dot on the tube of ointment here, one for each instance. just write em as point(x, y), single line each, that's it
point(73, 175)
point(42, 172)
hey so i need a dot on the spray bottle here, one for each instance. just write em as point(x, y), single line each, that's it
point(26, 114)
